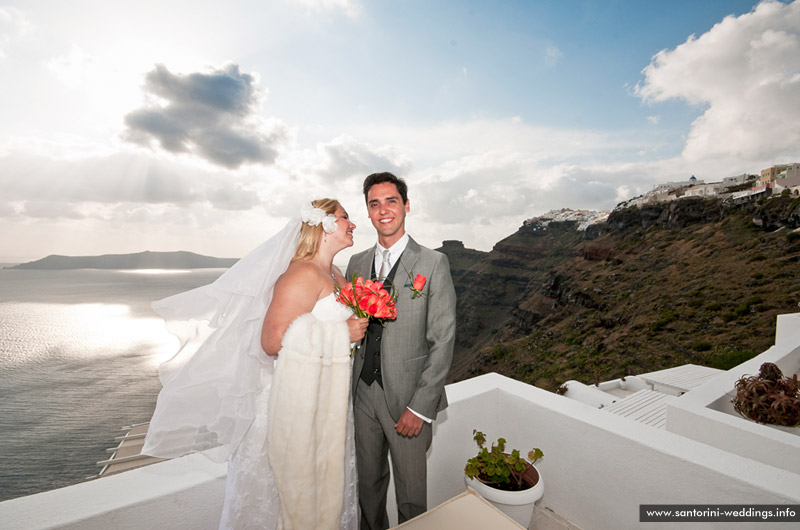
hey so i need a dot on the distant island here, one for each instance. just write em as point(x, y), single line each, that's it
point(140, 260)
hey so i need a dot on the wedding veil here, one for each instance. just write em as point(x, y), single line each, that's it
point(212, 383)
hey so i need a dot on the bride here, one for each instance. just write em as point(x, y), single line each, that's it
point(284, 423)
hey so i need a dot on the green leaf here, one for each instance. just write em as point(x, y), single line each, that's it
point(494, 466)
point(535, 455)
point(479, 437)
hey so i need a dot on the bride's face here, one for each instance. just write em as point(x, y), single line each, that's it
point(343, 236)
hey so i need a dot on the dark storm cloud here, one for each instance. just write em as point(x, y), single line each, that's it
point(212, 115)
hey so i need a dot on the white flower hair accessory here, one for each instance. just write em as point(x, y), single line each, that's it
point(313, 216)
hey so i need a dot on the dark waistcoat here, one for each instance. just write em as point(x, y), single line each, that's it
point(371, 371)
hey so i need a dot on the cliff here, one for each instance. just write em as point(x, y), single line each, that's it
point(689, 281)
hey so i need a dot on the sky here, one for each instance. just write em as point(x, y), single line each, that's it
point(203, 126)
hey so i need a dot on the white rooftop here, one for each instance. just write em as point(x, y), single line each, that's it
point(681, 378)
point(643, 398)
point(645, 406)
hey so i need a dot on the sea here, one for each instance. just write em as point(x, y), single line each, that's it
point(79, 357)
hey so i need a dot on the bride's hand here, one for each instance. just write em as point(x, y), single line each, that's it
point(357, 327)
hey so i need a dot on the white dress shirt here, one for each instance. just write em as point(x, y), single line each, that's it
point(394, 253)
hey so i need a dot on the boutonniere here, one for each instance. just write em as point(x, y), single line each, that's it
point(416, 285)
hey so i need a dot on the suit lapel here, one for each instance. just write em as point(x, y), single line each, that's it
point(363, 267)
point(408, 259)
point(410, 255)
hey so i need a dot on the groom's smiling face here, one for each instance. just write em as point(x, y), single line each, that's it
point(387, 212)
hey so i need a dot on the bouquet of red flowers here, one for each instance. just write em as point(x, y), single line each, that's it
point(368, 298)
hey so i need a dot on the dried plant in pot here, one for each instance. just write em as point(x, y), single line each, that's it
point(769, 397)
point(508, 480)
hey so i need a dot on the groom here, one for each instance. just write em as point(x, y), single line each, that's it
point(400, 368)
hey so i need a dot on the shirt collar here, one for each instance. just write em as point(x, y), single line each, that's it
point(395, 250)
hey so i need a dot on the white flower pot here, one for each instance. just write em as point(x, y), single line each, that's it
point(516, 504)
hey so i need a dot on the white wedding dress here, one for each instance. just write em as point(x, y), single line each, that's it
point(251, 495)
point(216, 388)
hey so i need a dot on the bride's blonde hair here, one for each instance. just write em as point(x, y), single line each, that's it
point(310, 236)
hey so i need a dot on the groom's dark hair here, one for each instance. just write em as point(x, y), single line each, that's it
point(380, 178)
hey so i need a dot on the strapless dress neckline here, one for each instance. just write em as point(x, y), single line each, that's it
point(327, 308)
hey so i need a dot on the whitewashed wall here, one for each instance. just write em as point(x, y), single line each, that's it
point(598, 467)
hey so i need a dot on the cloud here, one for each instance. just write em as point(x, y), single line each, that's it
point(212, 115)
point(482, 199)
point(7, 209)
point(430, 147)
point(233, 198)
point(13, 25)
point(38, 209)
point(745, 72)
point(72, 68)
point(552, 55)
point(66, 186)
point(350, 8)
point(496, 186)
point(345, 157)
point(474, 179)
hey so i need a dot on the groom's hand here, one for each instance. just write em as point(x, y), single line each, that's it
point(409, 425)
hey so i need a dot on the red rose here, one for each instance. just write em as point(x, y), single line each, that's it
point(416, 286)
point(346, 296)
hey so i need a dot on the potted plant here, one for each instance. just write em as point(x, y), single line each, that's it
point(769, 397)
point(507, 480)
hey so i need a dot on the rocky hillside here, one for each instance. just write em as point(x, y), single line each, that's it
point(690, 281)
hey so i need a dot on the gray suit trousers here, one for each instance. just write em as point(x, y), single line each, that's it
point(372, 420)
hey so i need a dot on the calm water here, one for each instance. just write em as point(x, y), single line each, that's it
point(79, 352)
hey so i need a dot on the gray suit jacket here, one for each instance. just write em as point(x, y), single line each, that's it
point(417, 347)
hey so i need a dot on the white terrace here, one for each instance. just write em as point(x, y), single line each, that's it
point(598, 466)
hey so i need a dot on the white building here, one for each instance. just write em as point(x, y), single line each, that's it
point(792, 171)
point(727, 182)
point(789, 179)
point(583, 218)
point(703, 190)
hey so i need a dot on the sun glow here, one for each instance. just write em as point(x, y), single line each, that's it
point(110, 328)
point(88, 331)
